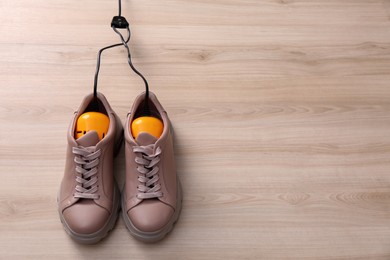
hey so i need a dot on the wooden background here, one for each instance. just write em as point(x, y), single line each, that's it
point(281, 111)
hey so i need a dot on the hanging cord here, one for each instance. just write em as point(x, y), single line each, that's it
point(98, 63)
point(119, 22)
point(124, 43)
point(105, 48)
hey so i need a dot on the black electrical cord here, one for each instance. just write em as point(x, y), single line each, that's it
point(120, 22)
point(98, 63)
point(146, 103)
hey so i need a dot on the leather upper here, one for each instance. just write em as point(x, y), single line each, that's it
point(89, 215)
point(150, 214)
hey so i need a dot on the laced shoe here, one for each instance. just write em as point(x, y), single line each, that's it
point(88, 200)
point(152, 197)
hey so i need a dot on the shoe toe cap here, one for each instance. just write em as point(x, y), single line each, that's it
point(150, 215)
point(85, 217)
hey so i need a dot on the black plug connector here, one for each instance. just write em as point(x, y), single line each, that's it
point(119, 22)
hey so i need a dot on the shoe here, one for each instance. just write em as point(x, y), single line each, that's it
point(88, 200)
point(152, 197)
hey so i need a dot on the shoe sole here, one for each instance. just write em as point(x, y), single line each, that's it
point(151, 237)
point(102, 233)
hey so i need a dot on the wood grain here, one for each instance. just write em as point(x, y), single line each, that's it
point(281, 113)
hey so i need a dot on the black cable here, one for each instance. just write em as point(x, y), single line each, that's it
point(103, 49)
point(120, 22)
point(124, 43)
point(98, 63)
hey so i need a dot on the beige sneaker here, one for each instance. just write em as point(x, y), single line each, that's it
point(88, 200)
point(151, 200)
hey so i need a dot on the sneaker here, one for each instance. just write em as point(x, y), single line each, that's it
point(88, 200)
point(152, 197)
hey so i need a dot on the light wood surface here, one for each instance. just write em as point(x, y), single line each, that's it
point(281, 112)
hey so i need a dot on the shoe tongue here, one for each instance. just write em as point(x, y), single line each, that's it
point(91, 138)
point(144, 138)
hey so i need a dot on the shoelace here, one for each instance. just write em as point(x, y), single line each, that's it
point(148, 172)
point(87, 181)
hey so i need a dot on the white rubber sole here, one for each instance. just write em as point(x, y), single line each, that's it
point(151, 237)
point(100, 234)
